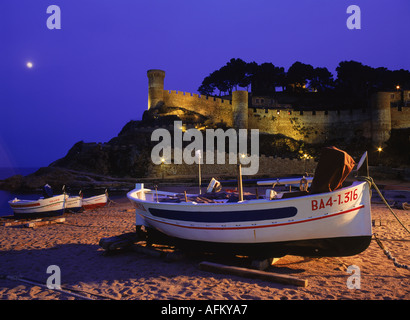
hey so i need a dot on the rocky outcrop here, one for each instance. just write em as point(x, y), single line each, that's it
point(58, 177)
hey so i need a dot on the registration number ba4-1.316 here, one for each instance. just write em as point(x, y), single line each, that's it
point(339, 199)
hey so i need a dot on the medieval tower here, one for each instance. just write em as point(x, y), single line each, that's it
point(155, 87)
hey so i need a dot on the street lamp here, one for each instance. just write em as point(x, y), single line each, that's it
point(379, 150)
point(162, 167)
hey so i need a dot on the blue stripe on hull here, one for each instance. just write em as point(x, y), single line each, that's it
point(226, 216)
point(74, 209)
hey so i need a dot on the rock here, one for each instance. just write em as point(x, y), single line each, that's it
point(58, 177)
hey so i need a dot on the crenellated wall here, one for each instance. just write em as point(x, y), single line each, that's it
point(218, 109)
point(388, 110)
point(311, 126)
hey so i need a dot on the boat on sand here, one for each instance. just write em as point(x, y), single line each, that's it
point(329, 219)
point(42, 207)
point(95, 201)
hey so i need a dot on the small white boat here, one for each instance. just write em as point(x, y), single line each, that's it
point(335, 222)
point(73, 203)
point(43, 207)
point(96, 201)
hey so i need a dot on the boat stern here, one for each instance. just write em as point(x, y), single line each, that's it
point(136, 196)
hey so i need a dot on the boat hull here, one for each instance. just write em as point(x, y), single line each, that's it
point(324, 247)
point(330, 224)
point(73, 204)
point(95, 202)
point(48, 207)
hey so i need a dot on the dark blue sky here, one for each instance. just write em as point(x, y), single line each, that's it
point(89, 78)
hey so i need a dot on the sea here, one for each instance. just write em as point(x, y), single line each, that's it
point(5, 196)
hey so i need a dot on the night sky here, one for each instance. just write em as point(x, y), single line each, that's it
point(88, 79)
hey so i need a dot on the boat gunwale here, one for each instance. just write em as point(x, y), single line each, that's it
point(238, 203)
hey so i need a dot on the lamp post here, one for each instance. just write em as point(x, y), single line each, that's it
point(305, 157)
point(198, 154)
point(379, 150)
point(162, 167)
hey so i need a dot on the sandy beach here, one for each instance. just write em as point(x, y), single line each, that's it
point(73, 247)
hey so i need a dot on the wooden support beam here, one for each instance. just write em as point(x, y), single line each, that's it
point(249, 273)
point(18, 222)
point(35, 224)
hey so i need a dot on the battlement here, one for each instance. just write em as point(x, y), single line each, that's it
point(389, 110)
point(278, 112)
point(188, 95)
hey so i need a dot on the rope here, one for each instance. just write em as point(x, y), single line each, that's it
point(385, 251)
point(372, 183)
point(388, 254)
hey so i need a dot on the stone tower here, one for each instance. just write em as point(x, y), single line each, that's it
point(155, 87)
point(240, 109)
point(381, 118)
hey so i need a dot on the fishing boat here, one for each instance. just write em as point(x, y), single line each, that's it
point(95, 201)
point(73, 203)
point(328, 220)
point(43, 207)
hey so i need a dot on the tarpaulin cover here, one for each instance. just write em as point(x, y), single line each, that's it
point(333, 168)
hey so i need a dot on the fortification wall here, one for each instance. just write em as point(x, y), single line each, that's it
point(400, 117)
point(389, 110)
point(218, 109)
point(268, 166)
point(311, 126)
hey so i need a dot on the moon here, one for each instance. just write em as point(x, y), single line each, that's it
point(29, 64)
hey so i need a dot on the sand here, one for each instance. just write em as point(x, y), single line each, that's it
point(73, 247)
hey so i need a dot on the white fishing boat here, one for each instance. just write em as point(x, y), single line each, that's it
point(43, 207)
point(73, 203)
point(327, 220)
point(95, 201)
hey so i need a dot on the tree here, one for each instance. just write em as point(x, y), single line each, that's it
point(251, 69)
point(207, 87)
point(298, 75)
point(322, 80)
point(235, 73)
point(354, 77)
point(266, 78)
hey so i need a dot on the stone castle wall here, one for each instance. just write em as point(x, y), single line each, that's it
point(389, 110)
point(400, 117)
point(311, 126)
point(218, 109)
point(268, 166)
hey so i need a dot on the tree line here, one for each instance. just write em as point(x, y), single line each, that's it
point(353, 79)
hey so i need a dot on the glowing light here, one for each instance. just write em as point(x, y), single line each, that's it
point(379, 149)
point(163, 160)
point(398, 87)
point(29, 65)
